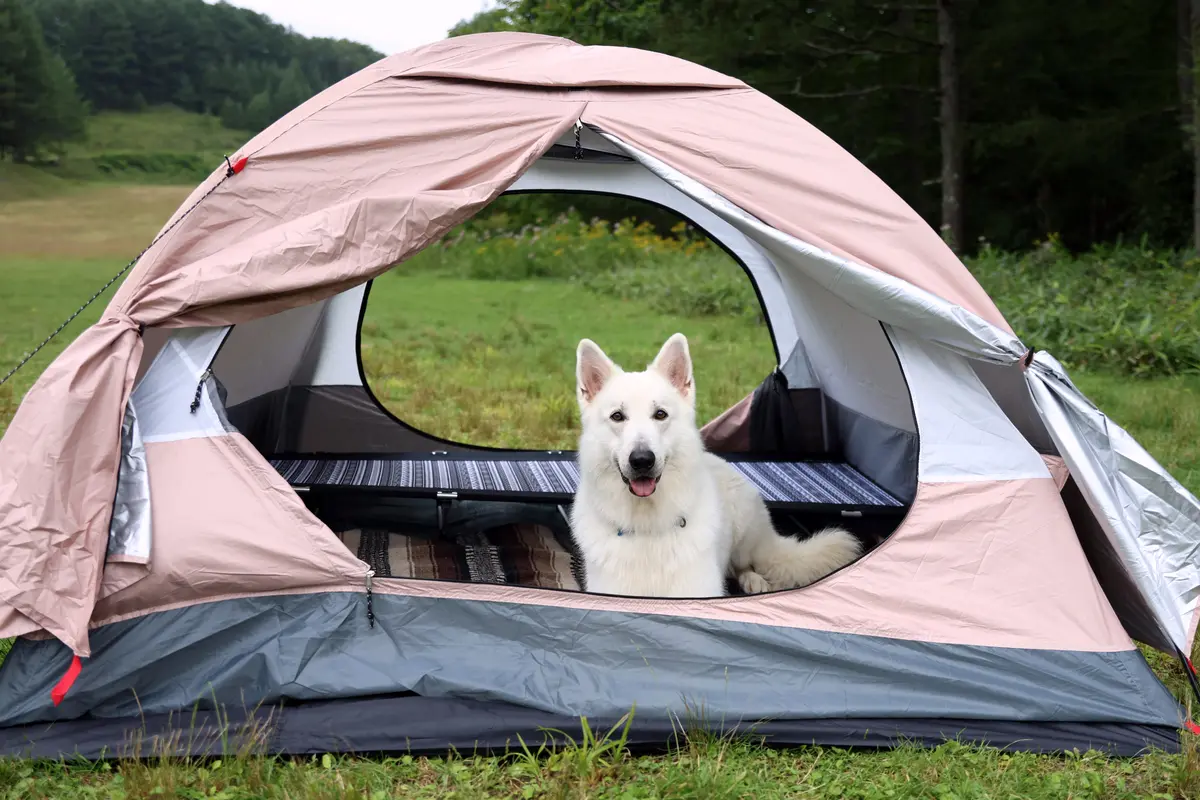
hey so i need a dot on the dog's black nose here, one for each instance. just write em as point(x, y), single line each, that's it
point(641, 460)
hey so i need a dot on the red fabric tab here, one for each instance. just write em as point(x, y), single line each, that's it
point(1192, 727)
point(240, 164)
point(66, 681)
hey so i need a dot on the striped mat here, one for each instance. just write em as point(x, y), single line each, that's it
point(809, 482)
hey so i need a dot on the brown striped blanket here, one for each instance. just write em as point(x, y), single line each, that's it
point(518, 554)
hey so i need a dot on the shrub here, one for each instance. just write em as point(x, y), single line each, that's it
point(680, 273)
point(175, 166)
point(1125, 309)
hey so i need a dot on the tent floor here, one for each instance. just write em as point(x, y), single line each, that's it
point(433, 726)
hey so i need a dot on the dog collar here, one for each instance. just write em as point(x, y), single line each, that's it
point(681, 522)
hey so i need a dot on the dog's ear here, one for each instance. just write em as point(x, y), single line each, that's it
point(592, 370)
point(674, 362)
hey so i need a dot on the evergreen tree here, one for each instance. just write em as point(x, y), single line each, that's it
point(292, 90)
point(190, 53)
point(258, 112)
point(62, 114)
point(999, 119)
point(105, 63)
point(233, 114)
point(38, 102)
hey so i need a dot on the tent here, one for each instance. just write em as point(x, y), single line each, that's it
point(171, 485)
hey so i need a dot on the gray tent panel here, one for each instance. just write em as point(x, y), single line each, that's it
point(562, 661)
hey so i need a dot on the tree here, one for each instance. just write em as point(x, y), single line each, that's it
point(190, 53)
point(490, 21)
point(62, 112)
point(39, 106)
point(258, 112)
point(630, 23)
point(105, 62)
point(291, 90)
point(1188, 48)
point(950, 126)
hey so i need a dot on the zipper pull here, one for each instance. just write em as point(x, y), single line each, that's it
point(200, 388)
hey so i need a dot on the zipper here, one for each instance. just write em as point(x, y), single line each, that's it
point(204, 376)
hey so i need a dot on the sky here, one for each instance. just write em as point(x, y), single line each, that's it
point(389, 26)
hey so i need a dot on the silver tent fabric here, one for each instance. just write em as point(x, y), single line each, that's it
point(129, 533)
point(1151, 520)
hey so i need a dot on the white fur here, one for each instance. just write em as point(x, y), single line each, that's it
point(727, 529)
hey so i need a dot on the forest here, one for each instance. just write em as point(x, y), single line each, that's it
point(63, 59)
point(1003, 123)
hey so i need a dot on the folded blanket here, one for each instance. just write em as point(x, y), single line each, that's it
point(517, 554)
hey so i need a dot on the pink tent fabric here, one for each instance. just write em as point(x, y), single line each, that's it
point(361, 177)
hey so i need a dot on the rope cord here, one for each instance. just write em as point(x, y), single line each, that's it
point(231, 170)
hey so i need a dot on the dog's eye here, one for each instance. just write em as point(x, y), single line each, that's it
point(617, 416)
point(660, 414)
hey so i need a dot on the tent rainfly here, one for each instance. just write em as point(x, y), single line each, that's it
point(206, 516)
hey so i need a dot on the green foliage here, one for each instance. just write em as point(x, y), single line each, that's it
point(680, 273)
point(39, 105)
point(1062, 133)
point(157, 145)
point(155, 130)
point(211, 58)
point(181, 167)
point(490, 21)
point(105, 58)
point(491, 362)
point(631, 23)
point(1129, 310)
point(697, 766)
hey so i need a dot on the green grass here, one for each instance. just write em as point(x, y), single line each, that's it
point(155, 130)
point(491, 361)
point(23, 182)
point(38, 295)
point(703, 768)
point(157, 145)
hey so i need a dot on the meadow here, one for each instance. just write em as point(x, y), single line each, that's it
point(474, 339)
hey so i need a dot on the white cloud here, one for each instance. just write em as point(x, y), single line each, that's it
point(389, 26)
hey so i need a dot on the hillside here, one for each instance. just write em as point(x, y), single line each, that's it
point(160, 145)
point(61, 60)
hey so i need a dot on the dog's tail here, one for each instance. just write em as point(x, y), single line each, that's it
point(788, 563)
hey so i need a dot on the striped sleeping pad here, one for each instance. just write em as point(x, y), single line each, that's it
point(783, 482)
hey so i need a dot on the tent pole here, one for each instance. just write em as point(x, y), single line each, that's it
point(1190, 672)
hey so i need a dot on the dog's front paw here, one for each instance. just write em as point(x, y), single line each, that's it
point(753, 583)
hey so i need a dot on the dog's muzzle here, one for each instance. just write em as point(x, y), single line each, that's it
point(643, 479)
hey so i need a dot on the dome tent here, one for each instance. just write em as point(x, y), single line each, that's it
point(165, 485)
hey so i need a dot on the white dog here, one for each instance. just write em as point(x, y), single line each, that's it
point(655, 514)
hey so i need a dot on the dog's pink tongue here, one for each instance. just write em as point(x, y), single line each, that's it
point(642, 487)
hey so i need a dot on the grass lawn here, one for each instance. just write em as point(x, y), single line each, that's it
point(492, 362)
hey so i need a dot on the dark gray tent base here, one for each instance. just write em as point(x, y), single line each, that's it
point(436, 726)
